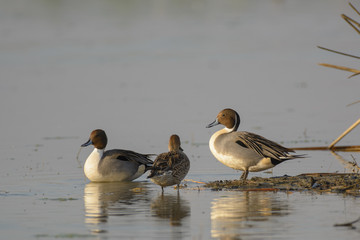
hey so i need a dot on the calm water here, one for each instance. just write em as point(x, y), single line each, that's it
point(143, 70)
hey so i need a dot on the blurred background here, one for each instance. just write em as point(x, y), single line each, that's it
point(142, 70)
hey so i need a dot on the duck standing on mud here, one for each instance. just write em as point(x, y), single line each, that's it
point(244, 151)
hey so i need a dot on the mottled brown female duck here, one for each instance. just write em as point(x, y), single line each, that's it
point(170, 168)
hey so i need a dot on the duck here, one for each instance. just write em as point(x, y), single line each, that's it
point(116, 165)
point(242, 150)
point(171, 167)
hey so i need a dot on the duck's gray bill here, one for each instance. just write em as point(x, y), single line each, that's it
point(214, 123)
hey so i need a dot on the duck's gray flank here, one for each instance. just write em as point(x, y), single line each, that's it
point(114, 159)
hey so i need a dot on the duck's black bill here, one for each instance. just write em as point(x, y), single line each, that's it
point(89, 142)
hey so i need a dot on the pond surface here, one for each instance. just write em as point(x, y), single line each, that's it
point(143, 70)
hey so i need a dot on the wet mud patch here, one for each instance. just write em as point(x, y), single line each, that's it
point(315, 182)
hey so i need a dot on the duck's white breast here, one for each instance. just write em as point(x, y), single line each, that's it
point(92, 164)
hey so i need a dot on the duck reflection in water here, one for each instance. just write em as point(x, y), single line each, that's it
point(171, 207)
point(237, 214)
point(102, 200)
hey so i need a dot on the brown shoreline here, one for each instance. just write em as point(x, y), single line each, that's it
point(345, 183)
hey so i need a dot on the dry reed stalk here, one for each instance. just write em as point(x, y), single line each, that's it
point(352, 6)
point(350, 21)
point(356, 26)
point(194, 181)
point(358, 101)
point(322, 174)
point(331, 146)
point(341, 68)
point(355, 148)
point(337, 52)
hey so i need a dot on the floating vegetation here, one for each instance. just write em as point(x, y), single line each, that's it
point(345, 183)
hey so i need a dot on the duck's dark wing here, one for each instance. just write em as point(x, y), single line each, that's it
point(263, 146)
point(127, 155)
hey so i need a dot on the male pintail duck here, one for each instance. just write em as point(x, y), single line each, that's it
point(115, 165)
point(170, 168)
point(244, 151)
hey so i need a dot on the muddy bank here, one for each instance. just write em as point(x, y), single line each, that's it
point(315, 182)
